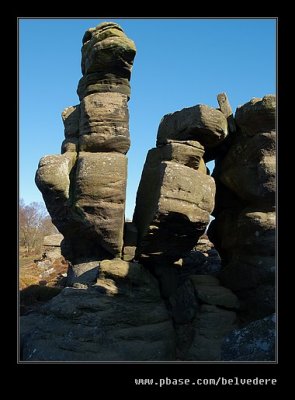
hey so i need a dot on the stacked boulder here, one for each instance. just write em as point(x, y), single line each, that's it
point(84, 188)
point(112, 309)
point(244, 227)
point(151, 289)
point(173, 205)
point(176, 195)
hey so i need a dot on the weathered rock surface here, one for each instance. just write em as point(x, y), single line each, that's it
point(53, 176)
point(204, 259)
point(254, 342)
point(202, 123)
point(172, 306)
point(101, 202)
point(84, 273)
point(84, 188)
point(216, 317)
point(173, 202)
point(101, 82)
point(249, 168)
point(130, 241)
point(71, 120)
point(183, 303)
point(216, 295)
point(188, 153)
point(172, 208)
point(104, 123)
point(210, 326)
point(107, 48)
point(258, 115)
point(119, 318)
point(52, 246)
point(244, 227)
point(53, 240)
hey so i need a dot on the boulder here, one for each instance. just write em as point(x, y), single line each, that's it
point(120, 318)
point(100, 199)
point(216, 295)
point(258, 115)
point(202, 123)
point(210, 326)
point(254, 342)
point(52, 177)
point(53, 240)
point(249, 167)
point(84, 273)
point(188, 153)
point(172, 210)
point(106, 47)
point(104, 123)
point(71, 120)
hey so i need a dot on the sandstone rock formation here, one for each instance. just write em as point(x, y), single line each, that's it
point(156, 288)
point(52, 246)
point(111, 309)
point(121, 317)
point(84, 188)
point(173, 205)
point(174, 201)
point(244, 228)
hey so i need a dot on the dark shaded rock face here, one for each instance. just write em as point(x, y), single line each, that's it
point(86, 206)
point(254, 342)
point(120, 317)
point(244, 226)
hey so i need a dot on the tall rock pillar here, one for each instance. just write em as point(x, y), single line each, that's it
point(244, 228)
point(84, 188)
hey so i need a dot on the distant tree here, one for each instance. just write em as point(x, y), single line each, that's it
point(34, 224)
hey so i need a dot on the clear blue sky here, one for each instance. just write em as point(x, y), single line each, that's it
point(179, 63)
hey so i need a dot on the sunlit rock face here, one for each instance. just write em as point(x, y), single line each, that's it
point(84, 188)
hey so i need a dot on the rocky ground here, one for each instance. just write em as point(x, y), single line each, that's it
point(40, 281)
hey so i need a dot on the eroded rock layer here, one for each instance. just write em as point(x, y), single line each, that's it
point(244, 228)
point(84, 188)
point(156, 289)
point(119, 317)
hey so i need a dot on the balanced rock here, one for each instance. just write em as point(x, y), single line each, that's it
point(172, 207)
point(202, 123)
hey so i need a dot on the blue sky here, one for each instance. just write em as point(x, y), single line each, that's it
point(179, 63)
